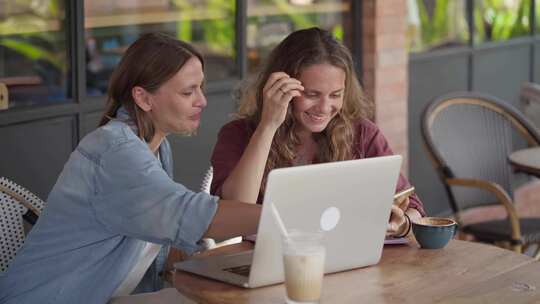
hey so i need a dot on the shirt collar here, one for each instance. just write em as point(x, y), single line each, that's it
point(123, 115)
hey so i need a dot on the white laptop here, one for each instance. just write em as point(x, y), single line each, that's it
point(349, 200)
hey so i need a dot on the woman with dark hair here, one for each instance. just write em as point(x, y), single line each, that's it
point(115, 203)
point(306, 106)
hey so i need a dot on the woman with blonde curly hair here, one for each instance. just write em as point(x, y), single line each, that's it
point(305, 107)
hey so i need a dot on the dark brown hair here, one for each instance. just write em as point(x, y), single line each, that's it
point(149, 62)
point(296, 52)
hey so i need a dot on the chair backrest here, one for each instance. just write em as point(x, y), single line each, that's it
point(530, 102)
point(207, 180)
point(16, 205)
point(470, 135)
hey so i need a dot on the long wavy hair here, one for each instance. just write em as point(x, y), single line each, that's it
point(149, 62)
point(296, 52)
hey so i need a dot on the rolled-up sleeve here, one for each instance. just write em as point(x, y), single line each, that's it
point(135, 197)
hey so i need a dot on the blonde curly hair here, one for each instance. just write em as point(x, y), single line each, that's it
point(299, 50)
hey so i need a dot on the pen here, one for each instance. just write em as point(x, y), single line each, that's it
point(406, 192)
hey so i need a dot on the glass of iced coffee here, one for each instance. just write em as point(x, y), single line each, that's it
point(303, 259)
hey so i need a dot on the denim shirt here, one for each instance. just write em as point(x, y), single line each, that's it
point(112, 195)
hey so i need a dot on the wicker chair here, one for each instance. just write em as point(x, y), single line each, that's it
point(468, 137)
point(207, 180)
point(530, 102)
point(205, 187)
point(176, 255)
point(19, 209)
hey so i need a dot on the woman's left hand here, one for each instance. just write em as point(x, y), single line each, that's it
point(398, 223)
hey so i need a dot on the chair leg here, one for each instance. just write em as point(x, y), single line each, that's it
point(503, 244)
point(507, 245)
point(537, 254)
point(462, 236)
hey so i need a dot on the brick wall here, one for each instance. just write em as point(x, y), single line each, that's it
point(385, 70)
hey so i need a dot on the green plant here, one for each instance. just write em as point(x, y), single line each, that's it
point(299, 20)
point(33, 33)
point(183, 26)
point(496, 21)
point(218, 32)
point(32, 52)
point(440, 22)
point(443, 22)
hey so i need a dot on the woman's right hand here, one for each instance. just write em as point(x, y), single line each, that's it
point(278, 91)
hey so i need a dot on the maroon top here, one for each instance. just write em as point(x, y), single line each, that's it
point(234, 137)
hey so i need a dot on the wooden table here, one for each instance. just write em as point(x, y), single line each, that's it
point(526, 160)
point(462, 272)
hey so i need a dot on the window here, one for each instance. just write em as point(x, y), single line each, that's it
point(33, 52)
point(111, 26)
point(537, 16)
point(271, 21)
point(35, 60)
point(436, 24)
point(499, 20)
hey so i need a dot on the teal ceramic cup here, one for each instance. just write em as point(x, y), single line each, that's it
point(434, 232)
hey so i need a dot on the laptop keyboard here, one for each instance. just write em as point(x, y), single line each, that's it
point(240, 270)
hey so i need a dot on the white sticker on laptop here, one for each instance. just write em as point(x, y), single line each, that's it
point(330, 218)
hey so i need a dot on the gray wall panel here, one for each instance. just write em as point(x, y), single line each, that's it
point(500, 71)
point(536, 67)
point(429, 78)
point(89, 122)
point(192, 154)
point(34, 153)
